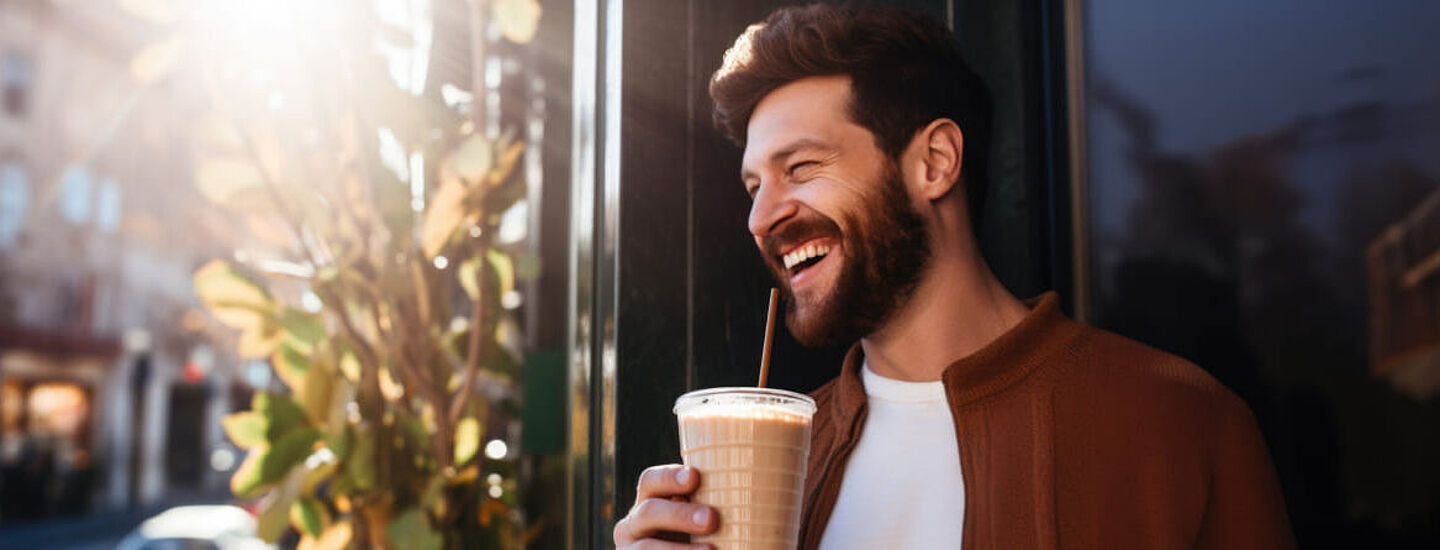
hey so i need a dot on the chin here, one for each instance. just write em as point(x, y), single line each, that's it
point(814, 329)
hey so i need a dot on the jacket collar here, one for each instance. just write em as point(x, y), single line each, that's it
point(1002, 362)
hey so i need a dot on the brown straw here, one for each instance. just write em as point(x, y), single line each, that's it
point(769, 336)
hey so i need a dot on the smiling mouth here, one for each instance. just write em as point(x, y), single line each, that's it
point(803, 257)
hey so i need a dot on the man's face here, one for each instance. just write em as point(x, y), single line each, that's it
point(830, 213)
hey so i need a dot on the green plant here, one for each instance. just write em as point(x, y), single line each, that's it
point(392, 376)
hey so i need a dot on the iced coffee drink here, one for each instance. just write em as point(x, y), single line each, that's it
point(750, 446)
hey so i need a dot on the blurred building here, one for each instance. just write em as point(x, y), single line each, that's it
point(112, 392)
point(1405, 300)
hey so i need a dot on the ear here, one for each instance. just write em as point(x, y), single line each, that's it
point(940, 146)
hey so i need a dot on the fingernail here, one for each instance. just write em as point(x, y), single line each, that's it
point(683, 476)
point(701, 516)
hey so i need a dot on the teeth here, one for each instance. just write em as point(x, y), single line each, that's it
point(804, 253)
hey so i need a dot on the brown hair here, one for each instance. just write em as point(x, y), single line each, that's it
point(904, 68)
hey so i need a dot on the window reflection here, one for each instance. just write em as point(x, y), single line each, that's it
point(1263, 185)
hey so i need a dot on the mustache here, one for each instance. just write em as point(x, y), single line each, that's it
point(798, 230)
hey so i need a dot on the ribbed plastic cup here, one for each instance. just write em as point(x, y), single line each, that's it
point(750, 446)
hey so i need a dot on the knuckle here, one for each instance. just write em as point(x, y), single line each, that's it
point(645, 509)
point(655, 476)
point(621, 532)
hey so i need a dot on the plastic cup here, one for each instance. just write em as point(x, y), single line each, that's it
point(750, 446)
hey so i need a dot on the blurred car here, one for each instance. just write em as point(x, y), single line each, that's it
point(207, 527)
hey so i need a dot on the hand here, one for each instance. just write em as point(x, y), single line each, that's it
point(660, 511)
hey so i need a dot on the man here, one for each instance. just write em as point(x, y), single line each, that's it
point(963, 413)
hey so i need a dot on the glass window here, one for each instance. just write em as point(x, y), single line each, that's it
point(75, 192)
point(107, 206)
point(15, 83)
point(1263, 186)
point(14, 199)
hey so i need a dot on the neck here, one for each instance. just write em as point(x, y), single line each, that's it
point(957, 308)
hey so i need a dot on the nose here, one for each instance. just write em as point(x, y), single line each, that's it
point(770, 208)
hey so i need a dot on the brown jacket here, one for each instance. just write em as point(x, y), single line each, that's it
point(1073, 437)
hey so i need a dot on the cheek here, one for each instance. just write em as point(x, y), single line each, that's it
point(840, 201)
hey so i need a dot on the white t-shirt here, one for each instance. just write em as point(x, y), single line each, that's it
point(903, 487)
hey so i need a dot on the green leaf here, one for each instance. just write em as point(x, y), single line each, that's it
point(291, 365)
point(350, 367)
point(302, 329)
point(360, 461)
point(505, 197)
point(268, 464)
point(274, 517)
point(506, 167)
point(280, 412)
point(245, 482)
point(271, 522)
point(316, 391)
point(412, 530)
point(504, 270)
point(232, 297)
point(259, 341)
point(467, 439)
point(434, 489)
point(337, 537)
point(499, 361)
point(391, 200)
point(309, 516)
point(340, 442)
point(321, 474)
point(246, 429)
point(466, 273)
point(443, 215)
point(518, 19)
point(413, 429)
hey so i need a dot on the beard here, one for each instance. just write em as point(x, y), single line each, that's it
point(885, 251)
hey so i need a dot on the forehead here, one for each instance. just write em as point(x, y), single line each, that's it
point(814, 109)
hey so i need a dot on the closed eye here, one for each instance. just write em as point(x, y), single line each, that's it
point(795, 168)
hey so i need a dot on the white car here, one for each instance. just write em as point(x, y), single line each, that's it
point(211, 527)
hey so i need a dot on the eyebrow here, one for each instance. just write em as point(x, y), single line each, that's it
point(790, 149)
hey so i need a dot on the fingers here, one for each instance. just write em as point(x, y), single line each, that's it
point(654, 516)
point(666, 481)
point(652, 544)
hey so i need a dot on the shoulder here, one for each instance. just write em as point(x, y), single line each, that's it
point(1102, 356)
point(1121, 376)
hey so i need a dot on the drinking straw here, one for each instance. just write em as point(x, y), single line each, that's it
point(769, 336)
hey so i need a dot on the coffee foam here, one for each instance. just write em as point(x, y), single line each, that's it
point(747, 411)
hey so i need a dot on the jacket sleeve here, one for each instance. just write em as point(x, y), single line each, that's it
point(1245, 508)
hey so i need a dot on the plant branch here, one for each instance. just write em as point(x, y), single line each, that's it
point(371, 399)
point(272, 187)
point(476, 341)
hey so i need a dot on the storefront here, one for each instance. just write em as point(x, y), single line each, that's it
point(51, 392)
point(1249, 187)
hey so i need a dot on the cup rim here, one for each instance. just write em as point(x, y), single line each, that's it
point(805, 402)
